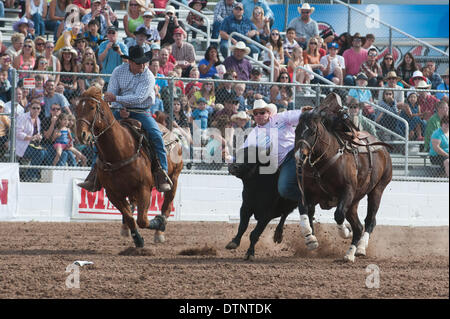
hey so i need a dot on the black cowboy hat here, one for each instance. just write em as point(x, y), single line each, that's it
point(142, 31)
point(80, 37)
point(137, 55)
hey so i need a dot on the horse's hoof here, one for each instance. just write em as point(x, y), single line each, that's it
point(249, 257)
point(277, 238)
point(124, 231)
point(360, 251)
point(159, 238)
point(350, 255)
point(232, 245)
point(311, 242)
point(158, 223)
point(349, 258)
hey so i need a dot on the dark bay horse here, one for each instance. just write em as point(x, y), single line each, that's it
point(333, 173)
point(123, 167)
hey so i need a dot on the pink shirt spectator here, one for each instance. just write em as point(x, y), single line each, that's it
point(281, 127)
point(164, 70)
point(160, 4)
point(427, 105)
point(354, 60)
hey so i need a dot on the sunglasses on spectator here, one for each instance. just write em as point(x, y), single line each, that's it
point(43, 62)
point(259, 113)
point(305, 11)
point(56, 109)
point(275, 33)
point(35, 108)
point(372, 54)
point(238, 8)
point(27, 46)
point(49, 47)
point(40, 43)
point(284, 78)
point(313, 43)
point(134, 5)
point(89, 63)
point(388, 58)
point(111, 32)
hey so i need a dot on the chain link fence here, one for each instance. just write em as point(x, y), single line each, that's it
point(211, 120)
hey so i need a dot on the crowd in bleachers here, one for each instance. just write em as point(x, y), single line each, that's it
point(85, 39)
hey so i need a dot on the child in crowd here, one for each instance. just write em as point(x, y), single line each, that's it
point(92, 35)
point(195, 20)
point(62, 139)
point(5, 86)
point(78, 146)
point(38, 92)
point(412, 113)
point(177, 71)
point(239, 89)
point(295, 61)
point(362, 95)
point(289, 44)
point(201, 114)
point(151, 30)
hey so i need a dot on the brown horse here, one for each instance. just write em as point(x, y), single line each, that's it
point(123, 167)
point(336, 172)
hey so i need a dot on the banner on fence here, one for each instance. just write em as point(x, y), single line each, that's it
point(9, 190)
point(87, 205)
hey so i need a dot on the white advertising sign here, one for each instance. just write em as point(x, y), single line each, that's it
point(9, 190)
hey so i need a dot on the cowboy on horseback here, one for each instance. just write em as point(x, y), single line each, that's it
point(132, 89)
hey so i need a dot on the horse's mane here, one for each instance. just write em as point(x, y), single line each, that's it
point(94, 92)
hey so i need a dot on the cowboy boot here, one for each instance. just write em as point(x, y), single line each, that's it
point(162, 180)
point(91, 182)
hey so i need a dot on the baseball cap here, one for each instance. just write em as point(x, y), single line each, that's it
point(111, 28)
point(362, 76)
point(170, 9)
point(178, 31)
point(333, 45)
point(202, 100)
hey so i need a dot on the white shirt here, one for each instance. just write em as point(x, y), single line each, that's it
point(24, 128)
point(19, 108)
point(338, 60)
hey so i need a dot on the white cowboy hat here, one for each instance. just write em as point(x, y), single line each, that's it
point(67, 49)
point(305, 6)
point(240, 45)
point(241, 115)
point(261, 104)
point(423, 85)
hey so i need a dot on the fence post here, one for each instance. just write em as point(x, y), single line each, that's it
point(286, 14)
point(12, 130)
point(172, 92)
point(390, 40)
point(318, 94)
point(349, 12)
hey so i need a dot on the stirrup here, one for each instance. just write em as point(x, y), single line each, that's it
point(163, 182)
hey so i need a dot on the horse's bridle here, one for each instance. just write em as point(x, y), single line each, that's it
point(98, 115)
point(311, 148)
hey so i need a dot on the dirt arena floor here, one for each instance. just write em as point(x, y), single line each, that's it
point(193, 263)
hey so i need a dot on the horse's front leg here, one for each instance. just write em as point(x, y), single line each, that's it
point(143, 202)
point(254, 237)
point(127, 218)
point(357, 228)
point(306, 225)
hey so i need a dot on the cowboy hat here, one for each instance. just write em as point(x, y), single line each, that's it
point(171, 9)
point(261, 104)
point(72, 8)
point(142, 31)
point(80, 37)
point(67, 49)
point(241, 115)
point(362, 76)
point(23, 20)
point(423, 85)
point(391, 75)
point(305, 6)
point(137, 55)
point(240, 45)
point(202, 2)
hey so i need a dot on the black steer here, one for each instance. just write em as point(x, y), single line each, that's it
point(260, 198)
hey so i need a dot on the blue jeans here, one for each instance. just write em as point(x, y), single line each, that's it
point(39, 25)
point(151, 127)
point(52, 26)
point(215, 30)
point(349, 80)
point(37, 157)
point(287, 181)
point(66, 157)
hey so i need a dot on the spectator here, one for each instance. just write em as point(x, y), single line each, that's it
point(355, 109)
point(443, 86)
point(26, 27)
point(416, 77)
point(56, 14)
point(39, 44)
point(140, 39)
point(72, 16)
point(230, 108)
point(368, 41)
point(427, 73)
point(84, 6)
point(223, 9)
point(239, 89)
point(311, 57)
point(3, 48)
point(328, 36)
point(154, 67)
point(207, 92)
point(399, 97)
point(434, 123)
point(387, 65)
point(439, 146)
point(195, 20)
point(53, 63)
point(133, 18)
point(81, 43)
point(38, 92)
point(237, 61)
point(225, 89)
point(334, 64)
point(51, 97)
point(106, 9)
point(305, 27)
point(207, 66)
point(282, 95)
point(426, 101)
point(88, 65)
point(363, 96)
point(217, 145)
point(110, 52)
point(275, 44)
point(68, 58)
point(21, 103)
point(177, 71)
point(289, 44)
point(181, 126)
point(413, 115)
point(183, 52)
point(36, 10)
point(17, 40)
point(67, 39)
point(194, 85)
point(150, 29)
point(5, 87)
point(433, 76)
point(200, 115)
point(250, 5)
point(92, 35)
point(388, 103)
point(241, 121)
point(164, 64)
point(102, 18)
point(262, 24)
point(354, 57)
point(5, 124)
point(28, 138)
point(301, 76)
point(406, 69)
point(371, 68)
point(167, 27)
point(238, 23)
point(5, 65)
point(345, 42)
point(26, 58)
